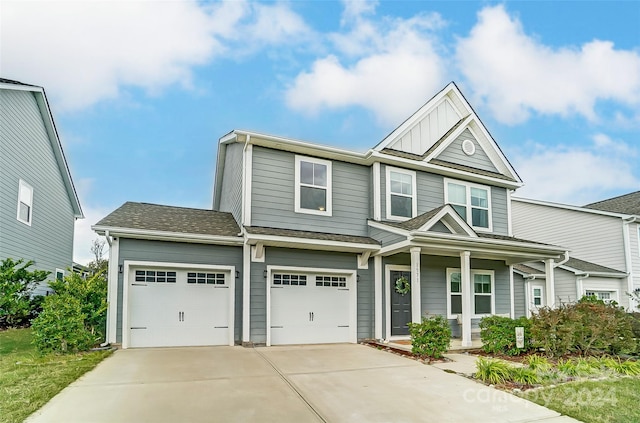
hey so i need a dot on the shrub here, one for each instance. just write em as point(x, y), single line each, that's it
point(536, 362)
point(74, 317)
point(498, 334)
point(60, 326)
point(524, 375)
point(586, 327)
point(16, 285)
point(492, 371)
point(431, 337)
point(627, 368)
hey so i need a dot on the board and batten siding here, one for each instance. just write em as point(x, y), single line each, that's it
point(273, 195)
point(231, 195)
point(454, 154)
point(589, 236)
point(26, 153)
point(179, 252)
point(310, 259)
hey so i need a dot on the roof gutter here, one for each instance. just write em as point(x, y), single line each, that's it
point(168, 236)
point(564, 260)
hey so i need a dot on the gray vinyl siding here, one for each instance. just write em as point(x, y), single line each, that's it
point(454, 154)
point(386, 238)
point(519, 297)
point(231, 195)
point(440, 227)
point(592, 237)
point(634, 238)
point(311, 259)
point(499, 211)
point(565, 287)
point(177, 252)
point(26, 153)
point(433, 288)
point(273, 195)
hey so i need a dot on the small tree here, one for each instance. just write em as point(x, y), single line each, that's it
point(99, 264)
point(16, 285)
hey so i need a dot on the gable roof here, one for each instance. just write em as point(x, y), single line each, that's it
point(626, 204)
point(445, 214)
point(169, 219)
point(589, 267)
point(52, 132)
point(431, 129)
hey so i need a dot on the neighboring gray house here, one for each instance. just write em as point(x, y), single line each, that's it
point(305, 243)
point(603, 237)
point(39, 204)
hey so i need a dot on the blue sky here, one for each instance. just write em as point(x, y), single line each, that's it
point(141, 91)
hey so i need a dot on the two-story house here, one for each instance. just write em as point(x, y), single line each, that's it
point(604, 239)
point(314, 244)
point(38, 202)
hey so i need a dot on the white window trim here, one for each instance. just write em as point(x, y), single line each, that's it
point(615, 294)
point(414, 192)
point(329, 206)
point(22, 184)
point(462, 287)
point(59, 271)
point(532, 287)
point(468, 186)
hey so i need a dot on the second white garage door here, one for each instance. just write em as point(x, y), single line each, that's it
point(179, 307)
point(311, 308)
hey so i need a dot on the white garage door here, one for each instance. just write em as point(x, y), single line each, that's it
point(178, 307)
point(311, 309)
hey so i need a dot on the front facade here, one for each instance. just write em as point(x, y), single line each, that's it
point(316, 244)
point(39, 204)
point(604, 239)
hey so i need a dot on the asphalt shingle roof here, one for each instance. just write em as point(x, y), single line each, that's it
point(527, 269)
point(416, 222)
point(626, 204)
point(156, 217)
point(587, 266)
point(258, 230)
point(11, 81)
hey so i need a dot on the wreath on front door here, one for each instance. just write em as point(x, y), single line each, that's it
point(403, 286)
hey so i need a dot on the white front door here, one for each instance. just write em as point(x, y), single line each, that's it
point(310, 309)
point(178, 307)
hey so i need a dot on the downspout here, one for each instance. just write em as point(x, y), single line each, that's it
point(107, 325)
point(563, 261)
point(245, 332)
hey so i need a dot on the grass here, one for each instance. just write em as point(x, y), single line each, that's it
point(29, 380)
point(612, 400)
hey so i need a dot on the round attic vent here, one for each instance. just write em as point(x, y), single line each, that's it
point(468, 147)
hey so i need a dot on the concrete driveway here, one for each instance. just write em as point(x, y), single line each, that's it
point(317, 383)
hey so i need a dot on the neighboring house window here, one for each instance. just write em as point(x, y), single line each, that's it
point(606, 296)
point(401, 193)
point(59, 274)
point(482, 302)
point(471, 201)
point(313, 186)
point(25, 202)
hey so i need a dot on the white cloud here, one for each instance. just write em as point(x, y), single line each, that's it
point(577, 175)
point(516, 74)
point(84, 235)
point(391, 67)
point(355, 9)
point(83, 52)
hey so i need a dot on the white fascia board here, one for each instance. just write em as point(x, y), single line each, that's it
point(315, 244)
point(458, 239)
point(569, 207)
point(387, 228)
point(441, 170)
point(168, 236)
point(524, 274)
point(448, 210)
point(450, 138)
point(20, 87)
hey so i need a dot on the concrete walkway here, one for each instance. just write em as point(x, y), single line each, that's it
point(322, 383)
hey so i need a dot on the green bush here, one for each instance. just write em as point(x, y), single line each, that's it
point(431, 337)
point(586, 327)
point(498, 334)
point(16, 285)
point(74, 317)
point(493, 371)
point(60, 326)
point(524, 375)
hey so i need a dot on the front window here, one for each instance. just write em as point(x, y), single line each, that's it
point(313, 186)
point(482, 301)
point(471, 202)
point(606, 296)
point(25, 202)
point(401, 194)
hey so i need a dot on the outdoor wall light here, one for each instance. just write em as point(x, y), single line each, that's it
point(119, 268)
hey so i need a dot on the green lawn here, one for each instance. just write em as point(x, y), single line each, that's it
point(29, 380)
point(611, 400)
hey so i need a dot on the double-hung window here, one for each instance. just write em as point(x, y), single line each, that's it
point(401, 194)
point(25, 202)
point(482, 300)
point(313, 186)
point(472, 202)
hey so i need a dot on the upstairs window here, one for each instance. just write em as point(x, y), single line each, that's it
point(401, 194)
point(25, 202)
point(472, 202)
point(313, 186)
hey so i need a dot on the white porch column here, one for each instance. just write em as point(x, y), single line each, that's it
point(416, 306)
point(465, 280)
point(550, 285)
point(377, 297)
